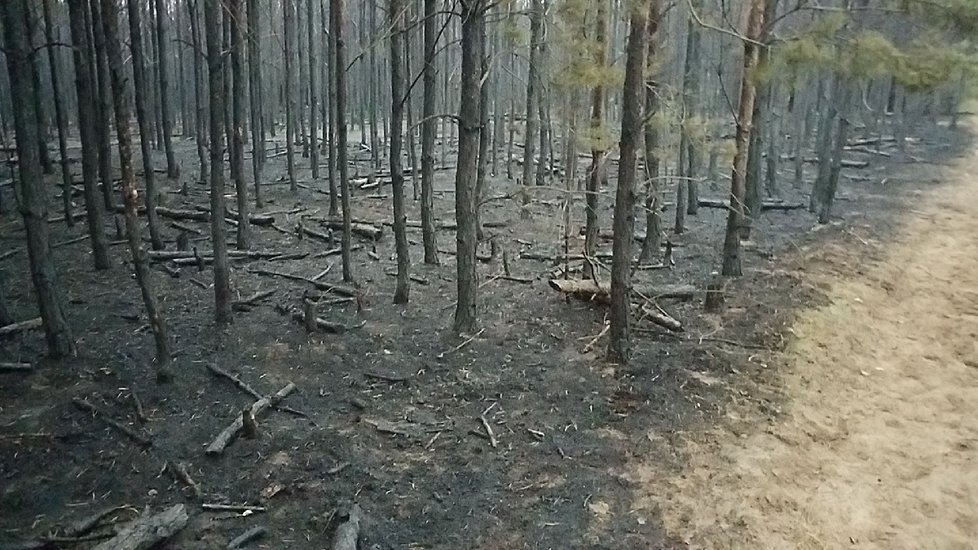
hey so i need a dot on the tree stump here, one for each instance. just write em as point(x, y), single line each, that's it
point(714, 295)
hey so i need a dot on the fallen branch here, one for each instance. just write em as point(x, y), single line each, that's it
point(587, 290)
point(21, 326)
point(244, 538)
point(251, 301)
point(148, 530)
point(464, 343)
point(320, 285)
point(85, 406)
point(16, 367)
point(213, 507)
point(663, 319)
point(324, 325)
point(365, 230)
point(180, 473)
point(87, 523)
point(492, 437)
point(766, 205)
point(223, 439)
point(348, 533)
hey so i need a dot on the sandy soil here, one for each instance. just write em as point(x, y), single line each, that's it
point(877, 446)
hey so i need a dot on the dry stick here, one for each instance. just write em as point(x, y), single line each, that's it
point(180, 472)
point(590, 345)
point(244, 538)
point(218, 371)
point(232, 507)
point(88, 523)
point(16, 367)
point(326, 287)
point(138, 405)
point(254, 299)
point(492, 437)
point(225, 438)
point(83, 405)
point(148, 530)
point(462, 345)
point(14, 328)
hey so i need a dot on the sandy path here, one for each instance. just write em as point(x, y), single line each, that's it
point(878, 446)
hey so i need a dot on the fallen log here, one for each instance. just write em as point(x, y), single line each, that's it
point(148, 530)
point(348, 533)
point(251, 301)
point(587, 290)
point(319, 285)
point(223, 439)
point(766, 205)
point(366, 230)
point(322, 324)
point(663, 319)
point(845, 163)
point(16, 367)
point(21, 326)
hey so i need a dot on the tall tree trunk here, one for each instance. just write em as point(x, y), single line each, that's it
point(215, 69)
point(529, 138)
point(469, 114)
point(754, 197)
point(200, 99)
point(129, 192)
point(140, 84)
point(30, 190)
point(412, 141)
point(745, 111)
point(39, 104)
point(84, 89)
point(334, 209)
point(428, 234)
point(162, 55)
point(5, 317)
point(101, 67)
point(624, 224)
point(60, 116)
point(237, 121)
point(313, 89)
point(691, 105)
point(596, 171)
point(339, 75)
point(398, 98)
point(844, 95)
point(485, 138)
point(653, 221)
point(253, 33)
point(288, 21)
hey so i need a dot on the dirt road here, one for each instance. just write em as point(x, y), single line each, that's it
point(878, 443)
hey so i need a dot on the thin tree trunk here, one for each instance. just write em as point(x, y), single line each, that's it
point(39, 104)
point(596, 171)
point(334, 209)
point(653, 221)
point(253, 33)
point(237, 120)
point(288, 21)
point(101, 68)
point(529, 138)
point(5, 317)
point(215, 69)
point(60, 116)
point(735, 217)
point(162, 55)
point(485, 138)
point(140, 84)
point(396, 14)
point(473, 23)
point(129, 192)
point(428, 234)
point(844, 93)
point(412, 142)
point(199, 83)
point(84, 89)
point(33, 202)
point(313, 90)
point(619, 335)
point(339, 70)
point(754, 197)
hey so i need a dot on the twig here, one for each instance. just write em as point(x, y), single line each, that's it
point(85, 406)
point(590, 345)
point(138, 405)
point(432, 440)
point(492, 437)
point(462, 345)
point(244, 538)
point(16, 367)
point(181, 474)
point(232, 508)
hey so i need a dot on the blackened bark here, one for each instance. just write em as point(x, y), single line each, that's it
point(473, 14)
point(163, 59)
point(60, 116)
point(313, 89)
point(334, 201)
point(339, 75)
point(596, 171)
point(255, 88)
point(532, 114)
point(653, 194)
point(237, 120)
point(33, 202)
point(288, 21)
point(39, 105)
point(396, 13)
point(428, 234)
point(200, 100)
point(101, 68)
point(215, 70)
point(619, 334)
point(129, 192)
point(84, 90)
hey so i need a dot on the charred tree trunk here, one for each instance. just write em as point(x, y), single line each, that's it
point(237, 121)
point(339, 76)
point(745, 111)
point(163, 60)
point(39, 105)
point(313, 88)
point(255, 89)
point(485, 138)
point(60, 116)
point(288, 21)
point(101, 68)
point(753, 196)
point(140, 84)
point(129, 192)
point(653, 221)
point(199, 86)
point(84, 89)
point(428, 234)
point(330, 77)
point(473, 21)
point(619, 337)
point(215, 70)
point(596, 172)
point(529, 137)
point(396, 13)
point(33, 202)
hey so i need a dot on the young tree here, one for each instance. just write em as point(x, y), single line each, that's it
point(339, 76)
point(257, 96)
point(140, 84)
point(428, 233)
point(745, 110)
point(39, 104)
point(596, 172)
point(163, 59)
point(469, 115)
point(101, 68)
point(60, 116)
point(288, 21)
point(129, 192)
point(396, 13)
point(328, 76)
point(84, 89)
point(32, 196)
point(200, 99)
point(532, 114)
point(215, 69)
point(653, 221)
point(313, 88)
point(619, 336)
point(237, 121)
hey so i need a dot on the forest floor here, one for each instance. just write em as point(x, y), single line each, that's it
point(727, 434)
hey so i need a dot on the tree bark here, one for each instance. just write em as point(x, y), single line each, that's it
point(753, 196)
point(735, 217)
point(237, 121)
point(288, 21)
point(59, 111)
point(215, 66)
point(529, 137)
point(255, 89)
point(334, 201)
point(32, 197)
point(596, 171)
point(624, 224)
point(140, 84)
point(473, 14)
point(199, 88)
point(339, 75)
point(101, 69)
point(402, 291)
point(428, 233)
point(653, 220)
point(313, 89)
point(84, 90)
point(163, 59)
point(39, 105)
point(129, 192)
